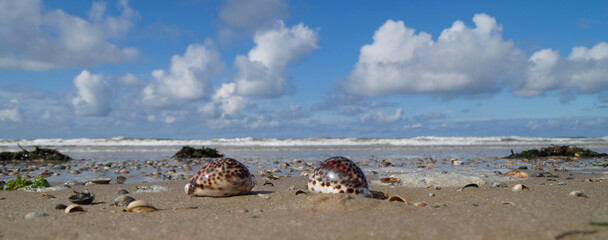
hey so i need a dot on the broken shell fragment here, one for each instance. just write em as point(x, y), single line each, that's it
point(74, 208)
point(379, 195)
point(577, 194)
point(519, 187)
point(390, 180)
point(140, 206)
point(516, 174)
point(47, 196)
point(420, 204)
point(468, 185)
point(100, 180)
point(301, 192)
point(396, 198)
point(84, 197)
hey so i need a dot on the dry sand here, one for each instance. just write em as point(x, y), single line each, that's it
point(544, 211)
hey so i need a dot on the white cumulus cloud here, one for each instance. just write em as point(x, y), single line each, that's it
point(261, 72)
point(585, 70)
point(190, 77)
point(381, 117)
point(94, 95)
point(462, 61)
point(224, 103)
point(11, 112)
point(35, 39)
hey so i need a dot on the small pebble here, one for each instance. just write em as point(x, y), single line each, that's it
point(561, 183)
point(122, 191)
point(120, 179)
point(539, 175)
point(431, 194)
point(258, 210)
point(35, 215)
point(242, 211)
point(60, 206)
point(123, 201)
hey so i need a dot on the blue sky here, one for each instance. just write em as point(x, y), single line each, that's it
point(213, 69)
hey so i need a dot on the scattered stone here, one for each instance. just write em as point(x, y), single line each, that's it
point(120, 179)
point(121, 191)
point(60, 206)
point(431, 194)
point(242, 211)
point(420, 204)
point(539, 175)
point(123, 201)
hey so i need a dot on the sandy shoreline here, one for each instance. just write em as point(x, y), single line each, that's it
point(544, 211)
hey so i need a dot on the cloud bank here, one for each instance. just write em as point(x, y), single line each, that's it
point(585, 70)
point(34, 39)
point(463, 61)
point(470, 62)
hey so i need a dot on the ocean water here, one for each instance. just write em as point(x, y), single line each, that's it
point(418, 162)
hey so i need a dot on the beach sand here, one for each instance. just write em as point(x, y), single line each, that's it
point(544, 211)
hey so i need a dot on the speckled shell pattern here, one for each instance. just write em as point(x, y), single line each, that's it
point(338, 175)
point(220, 178)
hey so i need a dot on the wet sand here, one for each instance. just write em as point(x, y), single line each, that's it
point(544, 211)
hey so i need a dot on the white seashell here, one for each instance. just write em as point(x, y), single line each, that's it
point(140, 206)
point(74, 208)
point(577, 194)
point(519, 187)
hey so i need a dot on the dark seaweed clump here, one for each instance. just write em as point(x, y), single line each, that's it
point(557, 151)
point(189, 152)
point(37, 154)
